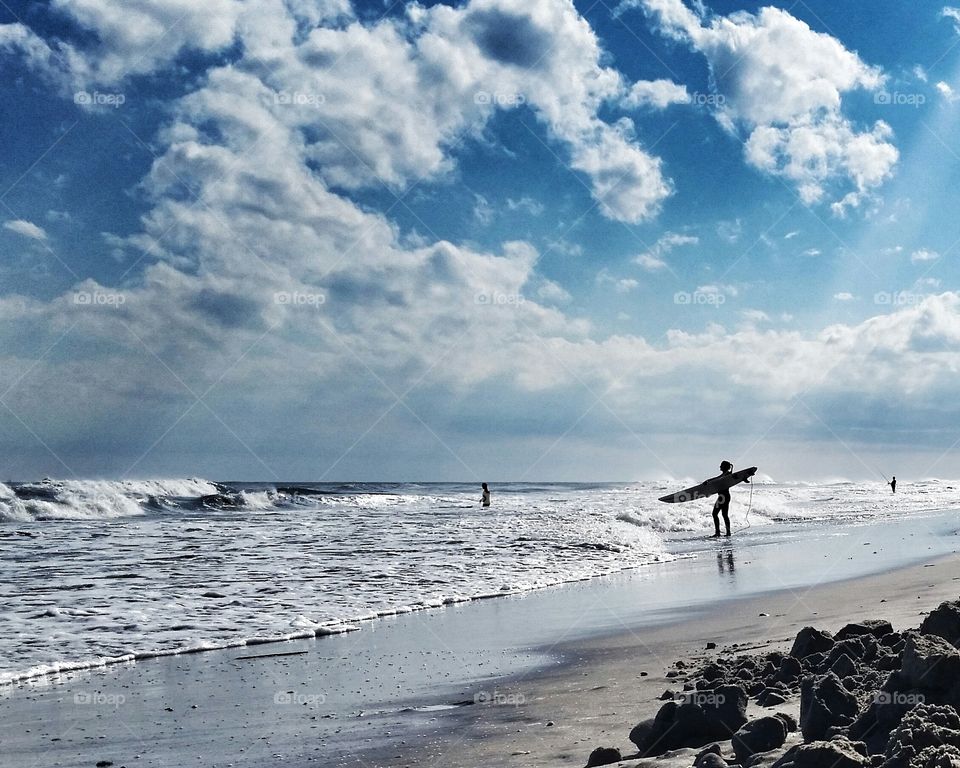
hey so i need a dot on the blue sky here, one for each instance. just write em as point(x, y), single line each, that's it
point(277, 239)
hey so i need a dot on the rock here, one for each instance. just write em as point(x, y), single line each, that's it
point(771, 698)
point(788, 720)
point(943, 621)
point(702, 717)
point(789, 671)
point(824, 704)
point(760, 735)
point(929, 662)
point(875, 627)
point(809, 641)
point(925, 730)
point(604, 756)
point(843, 666)
point(711, 760)
point(713, 749)
point(836, 753)
point(711, 646)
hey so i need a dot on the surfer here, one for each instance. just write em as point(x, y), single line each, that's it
point(485, 499)
point(722, 504)
point(893, 484)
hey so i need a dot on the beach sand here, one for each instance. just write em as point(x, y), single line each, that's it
point(274, 704)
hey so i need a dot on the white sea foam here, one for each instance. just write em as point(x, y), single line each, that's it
point(96, 572)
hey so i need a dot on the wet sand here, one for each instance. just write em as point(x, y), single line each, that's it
point(478, 684)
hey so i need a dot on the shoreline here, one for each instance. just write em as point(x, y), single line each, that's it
point(608, 684)
point(406, 674)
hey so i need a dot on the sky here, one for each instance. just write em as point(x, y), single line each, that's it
point(484, 240)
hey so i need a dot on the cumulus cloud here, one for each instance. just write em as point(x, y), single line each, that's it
point(25, 228)
point(946, 91)
point(657, 94)
point(653, 259)
point(923, 255)
point(783, 85)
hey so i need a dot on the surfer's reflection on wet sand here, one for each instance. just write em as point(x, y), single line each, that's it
point(725, 563)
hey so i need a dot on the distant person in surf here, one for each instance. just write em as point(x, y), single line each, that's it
point(722, 504)
point(893, 484)
point(485, 499)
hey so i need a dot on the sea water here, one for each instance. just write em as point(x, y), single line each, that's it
point(95, 572)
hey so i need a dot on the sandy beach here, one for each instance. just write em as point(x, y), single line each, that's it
point(540, 679)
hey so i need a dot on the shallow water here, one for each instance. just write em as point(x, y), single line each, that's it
point(92, 571)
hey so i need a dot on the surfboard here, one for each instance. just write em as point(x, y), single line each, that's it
point(709, 487)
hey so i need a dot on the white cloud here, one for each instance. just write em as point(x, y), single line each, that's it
point(783, 83)
point(730, 230)
point(528, 204)
point(843, 296)
point(952, 13)
point(649, 262)
point(920, 73)
point(946, 91)
point(791, 235)
point(482, 210)
point(25, 228)
point(658, 94)
point(553, 292)
point(653, 259)
point(812, 252)
point(923, 255)
point(626, 285)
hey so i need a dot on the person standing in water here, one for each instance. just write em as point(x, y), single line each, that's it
point(893, 484)
point(722, 504)
point(485, 499)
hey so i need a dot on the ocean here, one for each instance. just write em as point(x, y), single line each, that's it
point(98, 572)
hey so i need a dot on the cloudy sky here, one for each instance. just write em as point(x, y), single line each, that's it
point(490, 239)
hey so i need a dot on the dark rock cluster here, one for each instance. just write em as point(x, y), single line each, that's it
point(869, 697)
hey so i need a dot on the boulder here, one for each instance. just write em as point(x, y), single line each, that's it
point(789, 671)
point(757, 736)
point(836, 753)
point(710, 758)
point(604, 756)
point(929, 662)
point(702, 717)
point(825, 704)
point(924, 730)
point(944, 621)
point(875, 627)
point(811, 640)
point(843, 666)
